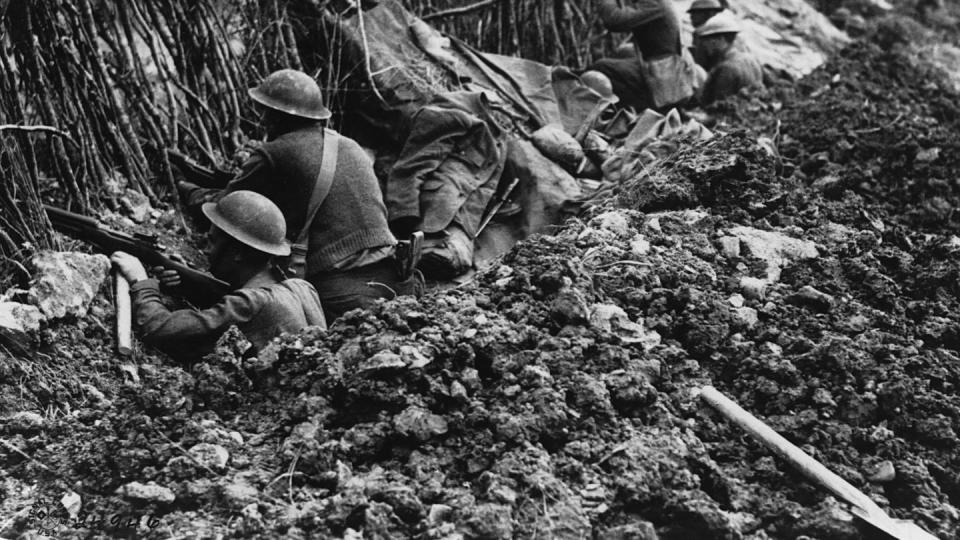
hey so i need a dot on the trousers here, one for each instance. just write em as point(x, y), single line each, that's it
point(361, 287)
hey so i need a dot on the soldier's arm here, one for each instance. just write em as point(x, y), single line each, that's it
point(254, 175)
point(172, 331)
point(624, 19)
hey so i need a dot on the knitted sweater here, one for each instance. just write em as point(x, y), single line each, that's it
point(350, 220)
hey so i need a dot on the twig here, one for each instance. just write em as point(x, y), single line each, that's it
point(44, 129)
point(879, 128)
point(460, 10)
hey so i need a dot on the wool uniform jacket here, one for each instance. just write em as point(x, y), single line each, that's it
point(261, 313)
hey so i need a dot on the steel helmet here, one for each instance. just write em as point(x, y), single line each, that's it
point(252, 219)
point(721, 23)
point(292, 92)
point(599, 83)
point(699, 5)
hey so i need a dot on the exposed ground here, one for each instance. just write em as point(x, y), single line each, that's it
point(554, 396)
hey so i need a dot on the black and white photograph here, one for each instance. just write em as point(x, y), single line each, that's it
point(480, 269)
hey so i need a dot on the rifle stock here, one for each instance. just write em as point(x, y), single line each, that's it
point(196, 286)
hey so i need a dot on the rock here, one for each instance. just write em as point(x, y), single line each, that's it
point(212, 456)
point(753, 288)
point(641, 530)
point(558, 145)
point(25, 422)
point(639, 246)
point(382, 361)
point(238, 493)
point(136, 204)
point(413, 358)
point(747, 316)
point(19, 321)
point(729, 246)
point(66, 282)
point(828, 184)
point(881, 472)
point(150, 492)
point(251, 512)
point(614, 319)
point(488, 521)
point(420, 423)
point(438, 514)
point(736, 300)
point(458, 391)
point(404, 502)
point(72, 503)
point(928, 155)
point(569, 307)
point(616, 222)
point(777, 249)
point(810, 297)
point(20, 317)
point(857, 323)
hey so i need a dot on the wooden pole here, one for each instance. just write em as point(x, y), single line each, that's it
point(121, 289)
point(864, 507)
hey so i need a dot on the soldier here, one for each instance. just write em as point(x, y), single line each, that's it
point(661, 74)
point(730, 68)
point(349, 246)
point(702, 10)
point(248, 233)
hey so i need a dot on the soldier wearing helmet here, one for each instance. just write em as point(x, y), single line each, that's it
point(350, 248)
point(248, 233)
point(702, 11)
point(730, 68)
point(661, 73)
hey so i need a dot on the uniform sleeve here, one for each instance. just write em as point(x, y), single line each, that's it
point(624, 19)
point(185, 329)
point(255, 175)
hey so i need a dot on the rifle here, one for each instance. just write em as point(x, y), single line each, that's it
point(196, 286)
point(196, 173)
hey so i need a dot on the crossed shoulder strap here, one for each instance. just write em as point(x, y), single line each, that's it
point(328, 168)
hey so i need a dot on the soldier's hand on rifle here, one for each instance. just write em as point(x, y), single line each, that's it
point(129, 266)
point(168, 278)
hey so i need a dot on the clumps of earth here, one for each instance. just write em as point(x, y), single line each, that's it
point(555, 395)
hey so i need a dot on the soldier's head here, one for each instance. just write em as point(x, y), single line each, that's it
point(702, 11)
point(247, 231)
point(289, 99)
point(716, 36)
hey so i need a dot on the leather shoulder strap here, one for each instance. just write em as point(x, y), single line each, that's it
point(328, 168)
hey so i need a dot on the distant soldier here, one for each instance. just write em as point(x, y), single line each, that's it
point(661, 74)
point(702, 10)
point(730, 68)
point(248, 233)
point(349, 246)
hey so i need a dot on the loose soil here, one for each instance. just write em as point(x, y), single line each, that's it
point(525, 404)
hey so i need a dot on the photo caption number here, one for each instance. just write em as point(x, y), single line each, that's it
point(80, 520)
point(131, 523)
point(153, 522)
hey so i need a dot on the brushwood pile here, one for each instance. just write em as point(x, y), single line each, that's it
point(814, 280)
